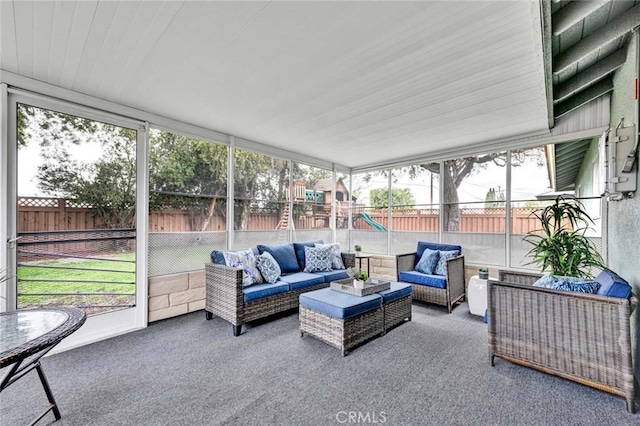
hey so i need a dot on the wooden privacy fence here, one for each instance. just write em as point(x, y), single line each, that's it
point(37, 214)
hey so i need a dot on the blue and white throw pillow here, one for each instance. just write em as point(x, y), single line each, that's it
point(336, 259)
point(583, 286)
point(246, 260)
point(268, 267)
point(441, 267)
point(546, 281)
point(318, 259)
point(551, 281)
point(428, 261)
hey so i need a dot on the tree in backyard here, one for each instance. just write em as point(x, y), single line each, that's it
point(401, 197)
point(494, 199)
point(107, 185)
point(260, 183)
point(459, 169)
point(187, 174)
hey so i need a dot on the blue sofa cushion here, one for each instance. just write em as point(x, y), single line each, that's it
point(336, 274)
point(428, 262)
point(612, 285)
point(317, 259)
point(415, 277)
point(299, 280)
point(396, 291)
point(268, 267)
point(217, 257)
point(299, 249)
point(441, 267)
point(259, 291)
point(284, 255)
point(435, 246)
point(339, 305)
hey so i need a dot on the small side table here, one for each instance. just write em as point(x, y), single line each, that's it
point(477, 295)
point(359, 258)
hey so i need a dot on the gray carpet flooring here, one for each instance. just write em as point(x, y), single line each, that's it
point(188, 371)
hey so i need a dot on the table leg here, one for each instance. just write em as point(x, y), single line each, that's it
point(47, 390)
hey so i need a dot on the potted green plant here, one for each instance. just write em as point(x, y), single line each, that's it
point(483, 273)
point(560, 246)
point(357, 275)
point(357, 248)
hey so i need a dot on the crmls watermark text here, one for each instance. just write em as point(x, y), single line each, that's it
point(369, 417)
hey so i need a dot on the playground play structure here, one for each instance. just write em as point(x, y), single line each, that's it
point(316, 203)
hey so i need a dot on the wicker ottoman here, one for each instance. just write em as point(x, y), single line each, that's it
point(339, 319)
point(396, 304)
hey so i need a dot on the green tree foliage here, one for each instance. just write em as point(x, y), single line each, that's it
point(494, 199)
point(561, 245)
point(187, 174)
point(379, 198)
point(107, 185)
point(457, 170)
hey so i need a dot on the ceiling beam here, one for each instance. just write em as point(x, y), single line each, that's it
point(591, 93)
point(547, 52)
point(611, 31)
point(590, 75)
point(573, 13)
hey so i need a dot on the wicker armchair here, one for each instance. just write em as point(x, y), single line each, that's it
point(581, 337)
point(449, 296)
point(224, 297)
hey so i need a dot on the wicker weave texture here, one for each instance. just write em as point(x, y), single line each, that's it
point(581, 337)
point(449, 296)
point(344, 334)
point(397, 312)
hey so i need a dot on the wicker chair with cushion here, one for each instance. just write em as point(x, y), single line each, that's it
point(581, 337)
point(442, 282)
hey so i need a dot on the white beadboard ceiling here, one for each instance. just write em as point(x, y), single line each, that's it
point(354, 83)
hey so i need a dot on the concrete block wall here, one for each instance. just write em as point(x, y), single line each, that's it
point(176, 294)
point(380, 266)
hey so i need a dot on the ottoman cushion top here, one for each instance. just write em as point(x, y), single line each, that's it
point(396, 291)
point(339, 305)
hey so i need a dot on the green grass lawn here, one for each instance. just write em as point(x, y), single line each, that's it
point(33, 279)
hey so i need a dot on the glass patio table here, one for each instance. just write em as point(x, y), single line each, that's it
point(26, 335)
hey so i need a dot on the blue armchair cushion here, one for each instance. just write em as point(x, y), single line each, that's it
point(612, 285)
point(422, 245)
point(428, 262)
point(246, 260)
point(318, 259)
point(299, 280)
point(339, 305)
point(259, 291)
point(284, 255)
point(415, 277)
point(395, 292)
point(441, 267)
point(268, 267)
point(299, 249)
